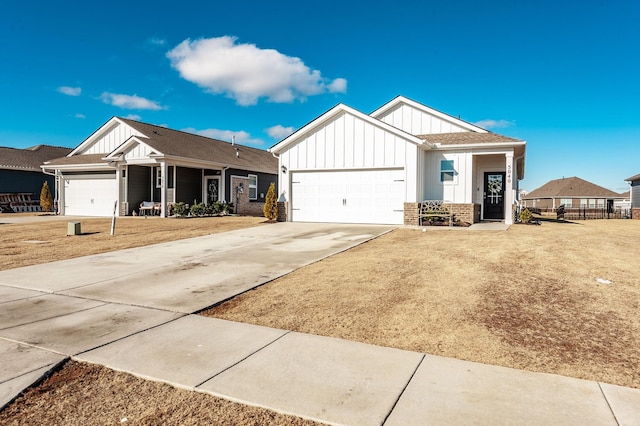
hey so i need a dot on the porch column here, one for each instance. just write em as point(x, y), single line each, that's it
point(119, 189)
point(163, 188)
point(509, 189)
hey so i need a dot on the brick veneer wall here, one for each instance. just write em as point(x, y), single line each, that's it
point(283, 207)
point(635, 214)
point(463, 212)
point(466, 212)
point(411, 214)
point(243, 205)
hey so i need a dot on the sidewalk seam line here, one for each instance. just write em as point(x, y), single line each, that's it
point(403, 390)
point(604, 395)
point(243, 359)
point(129, 335)
point(103, 303)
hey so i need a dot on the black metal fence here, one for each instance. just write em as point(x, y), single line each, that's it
point(580, 213)
point(584, 213)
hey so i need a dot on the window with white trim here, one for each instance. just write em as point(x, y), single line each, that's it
point(447, 172)
point(158, 177)
point(253, 187)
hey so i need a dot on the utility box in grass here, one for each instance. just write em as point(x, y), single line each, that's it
point(73, 228)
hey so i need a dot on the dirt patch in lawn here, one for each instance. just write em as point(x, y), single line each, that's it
point(525, 298)
point(86, 394)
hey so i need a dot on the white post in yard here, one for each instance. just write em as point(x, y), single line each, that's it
point(113, 220)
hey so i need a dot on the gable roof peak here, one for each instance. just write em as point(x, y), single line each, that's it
point(338, 109)
point(403, 100)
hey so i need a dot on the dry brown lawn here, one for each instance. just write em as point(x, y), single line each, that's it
point(85, 394)
point(23, 244)
point(525, 298)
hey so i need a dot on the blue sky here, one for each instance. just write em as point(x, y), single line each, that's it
point(562, 75)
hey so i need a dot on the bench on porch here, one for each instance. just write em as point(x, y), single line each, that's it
point(432, 209)
point(149, 206)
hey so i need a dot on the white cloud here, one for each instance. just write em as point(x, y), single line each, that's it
point(247, 73)
point(129, 101)
point(494, 124)
point(156, 41)
point(79, 115)
point(70, 91)
point(241, 137)
point(135, 117)
point(279, 132)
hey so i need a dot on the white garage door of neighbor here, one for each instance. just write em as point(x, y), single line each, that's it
point(354, 196)
point(89, 197)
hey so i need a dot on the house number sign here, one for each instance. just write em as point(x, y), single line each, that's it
point(509, 173)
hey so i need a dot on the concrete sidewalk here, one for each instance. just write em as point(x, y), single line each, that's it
point(132, 311)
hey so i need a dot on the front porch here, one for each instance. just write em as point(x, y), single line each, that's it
point(144, 183)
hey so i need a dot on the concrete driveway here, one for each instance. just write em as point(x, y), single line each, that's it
point(131, 311)
point(72, 306)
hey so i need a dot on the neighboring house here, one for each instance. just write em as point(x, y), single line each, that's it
point(128, 162)
point(572, 192)
point(634, 181)
point(624, 204)
point(347, 166)
point(20, 170)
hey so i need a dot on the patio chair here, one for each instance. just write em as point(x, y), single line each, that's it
point(146, 207)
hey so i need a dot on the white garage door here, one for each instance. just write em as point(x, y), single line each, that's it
point(354, 196)
point(90, 196)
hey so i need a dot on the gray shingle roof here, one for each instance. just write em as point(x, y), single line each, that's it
point(464, 138)
point(29, 159)
point(175, 143)
point(77, 159)
point(188, 145)
point(572, 187)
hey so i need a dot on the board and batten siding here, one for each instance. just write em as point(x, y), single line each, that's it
point(112, 139)
point(417, 122)
point(139, 152)
point(350, 143)
point(459, 190)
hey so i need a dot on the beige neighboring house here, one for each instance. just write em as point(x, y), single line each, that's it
point(571, 192)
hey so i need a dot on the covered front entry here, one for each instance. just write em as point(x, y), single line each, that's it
point(494, 185)
point(350, 196)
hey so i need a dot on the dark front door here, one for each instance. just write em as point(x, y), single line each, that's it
point(494, 195)
point(213, 189)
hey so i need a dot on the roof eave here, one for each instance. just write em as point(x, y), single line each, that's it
point(440, 146)
point(79, 167)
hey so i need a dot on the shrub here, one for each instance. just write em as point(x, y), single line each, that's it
point(270, 209)
point(180, 209)
point(226, 208)
point(46, 200)
point(525, 215)
point(198, 209)
point(212, 209)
